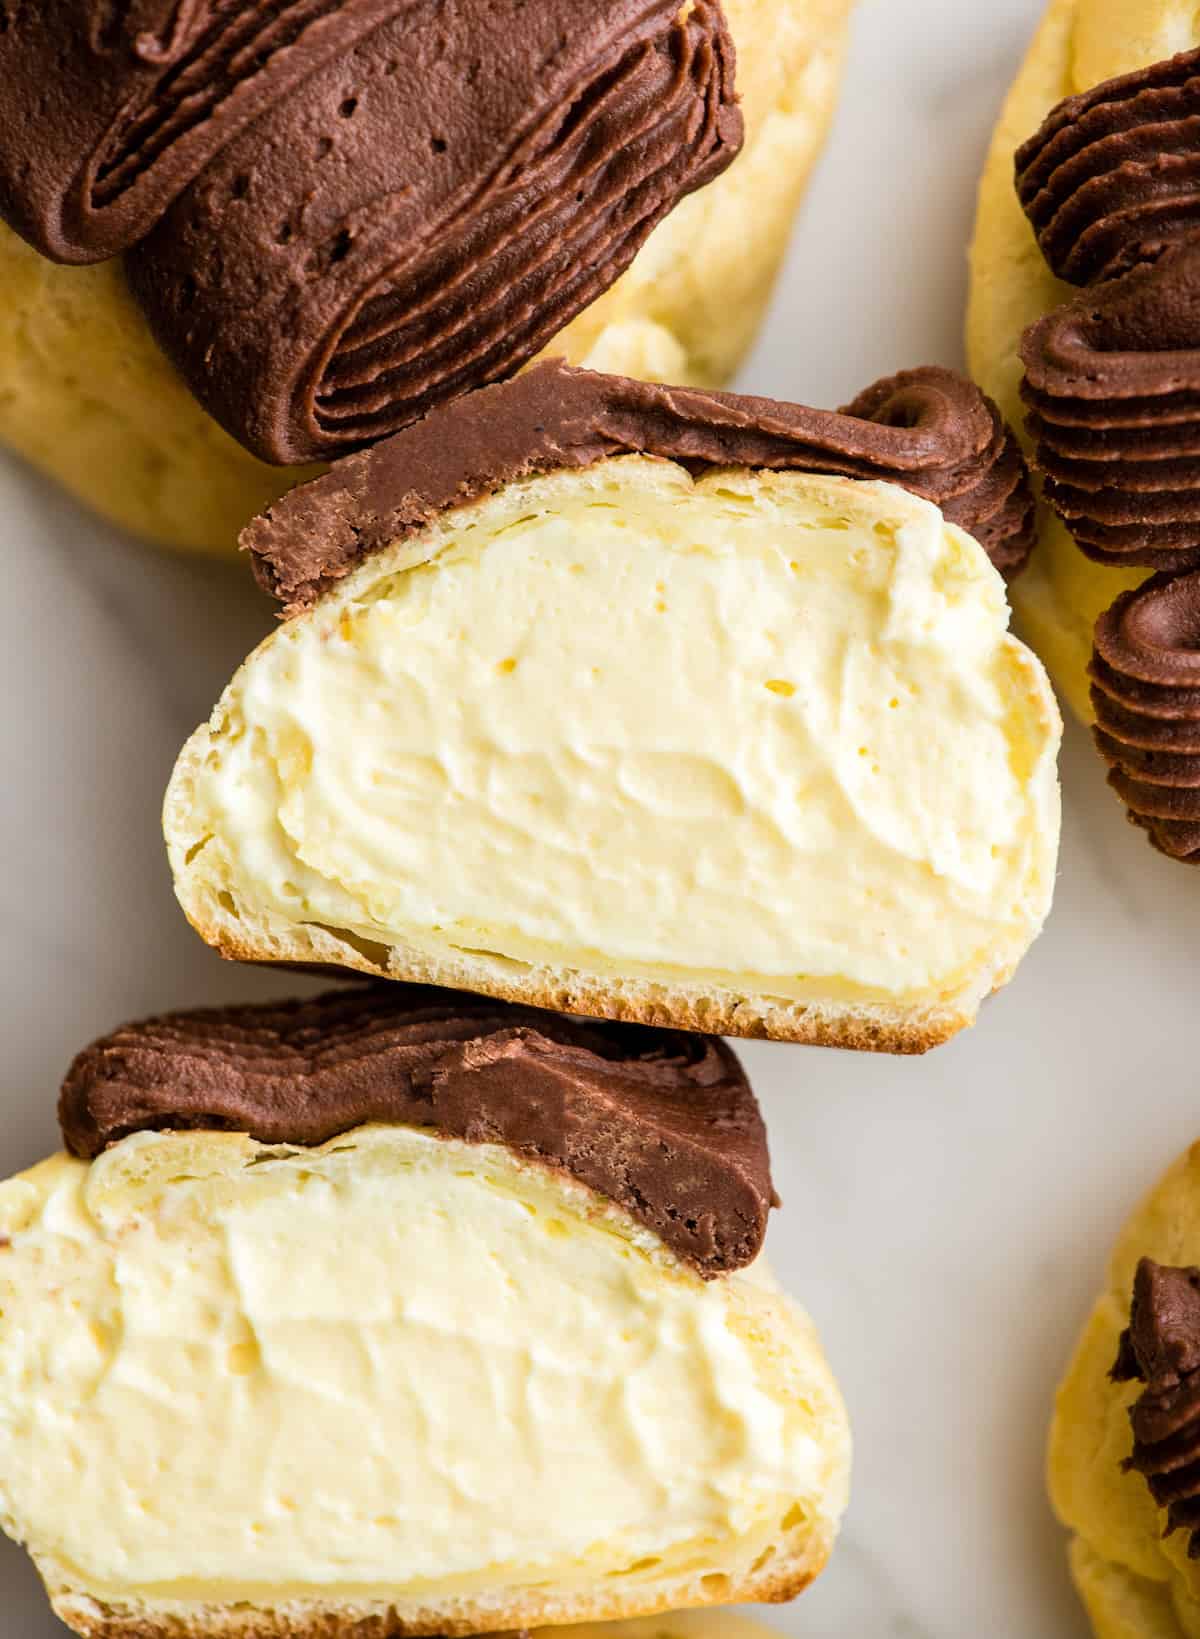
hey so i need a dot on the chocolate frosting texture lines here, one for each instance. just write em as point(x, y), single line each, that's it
point(1112, 178)
point(929, 431)
point(1161, 1350)
point(660, 1121)
point(1146, 695)
point(142, 95)
point(337, 216)
point(1111, 186)
point(1112, 378)
point(1112, 381)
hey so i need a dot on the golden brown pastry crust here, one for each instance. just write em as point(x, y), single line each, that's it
point(96, 1620)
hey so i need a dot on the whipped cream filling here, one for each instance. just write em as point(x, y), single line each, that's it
point(393, 1364)
point(752, 725)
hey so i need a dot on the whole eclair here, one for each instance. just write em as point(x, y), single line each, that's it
point(339, 213)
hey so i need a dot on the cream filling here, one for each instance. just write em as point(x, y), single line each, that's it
point(759, 729)
point(395, 1365)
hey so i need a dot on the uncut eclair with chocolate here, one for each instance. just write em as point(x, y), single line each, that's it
point(1124, 1450)
point(306, 222)
point(405, 1312)
point(1086, 311)
point(648, 703)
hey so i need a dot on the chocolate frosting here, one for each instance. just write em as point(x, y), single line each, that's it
point(340, 213)
point(1111, 184)
point(1112, 381)
point(1161, 1348)
point(660, 1121)
point(1112, 178)
point(1146, 694)
point(929, 430)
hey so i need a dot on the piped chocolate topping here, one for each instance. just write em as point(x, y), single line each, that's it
point(340, 213)
point(1111, 184)
point(660, 1121)
point(1112, 178)
point(1112, 381)
point(1161, 1348)
point(928, 430)
point(1146, 695)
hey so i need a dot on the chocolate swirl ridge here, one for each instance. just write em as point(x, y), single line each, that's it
point(1112, 382)
point(338, 215)
point(928, 430)
point(111, 110)
point(1112, 178)
point(1146, 695)
point(1161, 1349)
point(660, 1121)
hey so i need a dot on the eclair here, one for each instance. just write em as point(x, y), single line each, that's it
point(647, 703)
point(1123, 1466)
point(245, 238)
point(404, 1312)
point(1085, 315)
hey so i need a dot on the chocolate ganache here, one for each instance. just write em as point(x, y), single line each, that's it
point(928, 430)
point(660, 1121)
point(339, 213)
point(1146, 694)
point(1112, 178)
point(1111, 185)
point(1161, 1348)
point(1112, 381)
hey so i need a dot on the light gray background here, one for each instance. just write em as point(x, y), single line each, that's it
point(945, 1219)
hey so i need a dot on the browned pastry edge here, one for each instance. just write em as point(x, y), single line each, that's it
point(662, 1123)
point(97, 1619)
point(929, 430)
point(866, 1028)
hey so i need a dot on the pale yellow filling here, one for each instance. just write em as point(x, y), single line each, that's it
point(753, 730)
point(393, 1366)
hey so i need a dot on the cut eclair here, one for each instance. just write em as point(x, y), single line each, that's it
point(646, 703)
point(403, 1312)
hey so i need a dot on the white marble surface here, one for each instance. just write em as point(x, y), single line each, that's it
point(945, 1218)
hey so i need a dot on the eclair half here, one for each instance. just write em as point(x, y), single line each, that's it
point(404, 1312)
point(644, 703)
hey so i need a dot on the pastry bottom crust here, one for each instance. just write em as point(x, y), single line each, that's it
point(87, 397)
point(779, 1580)
point(864, 1027)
